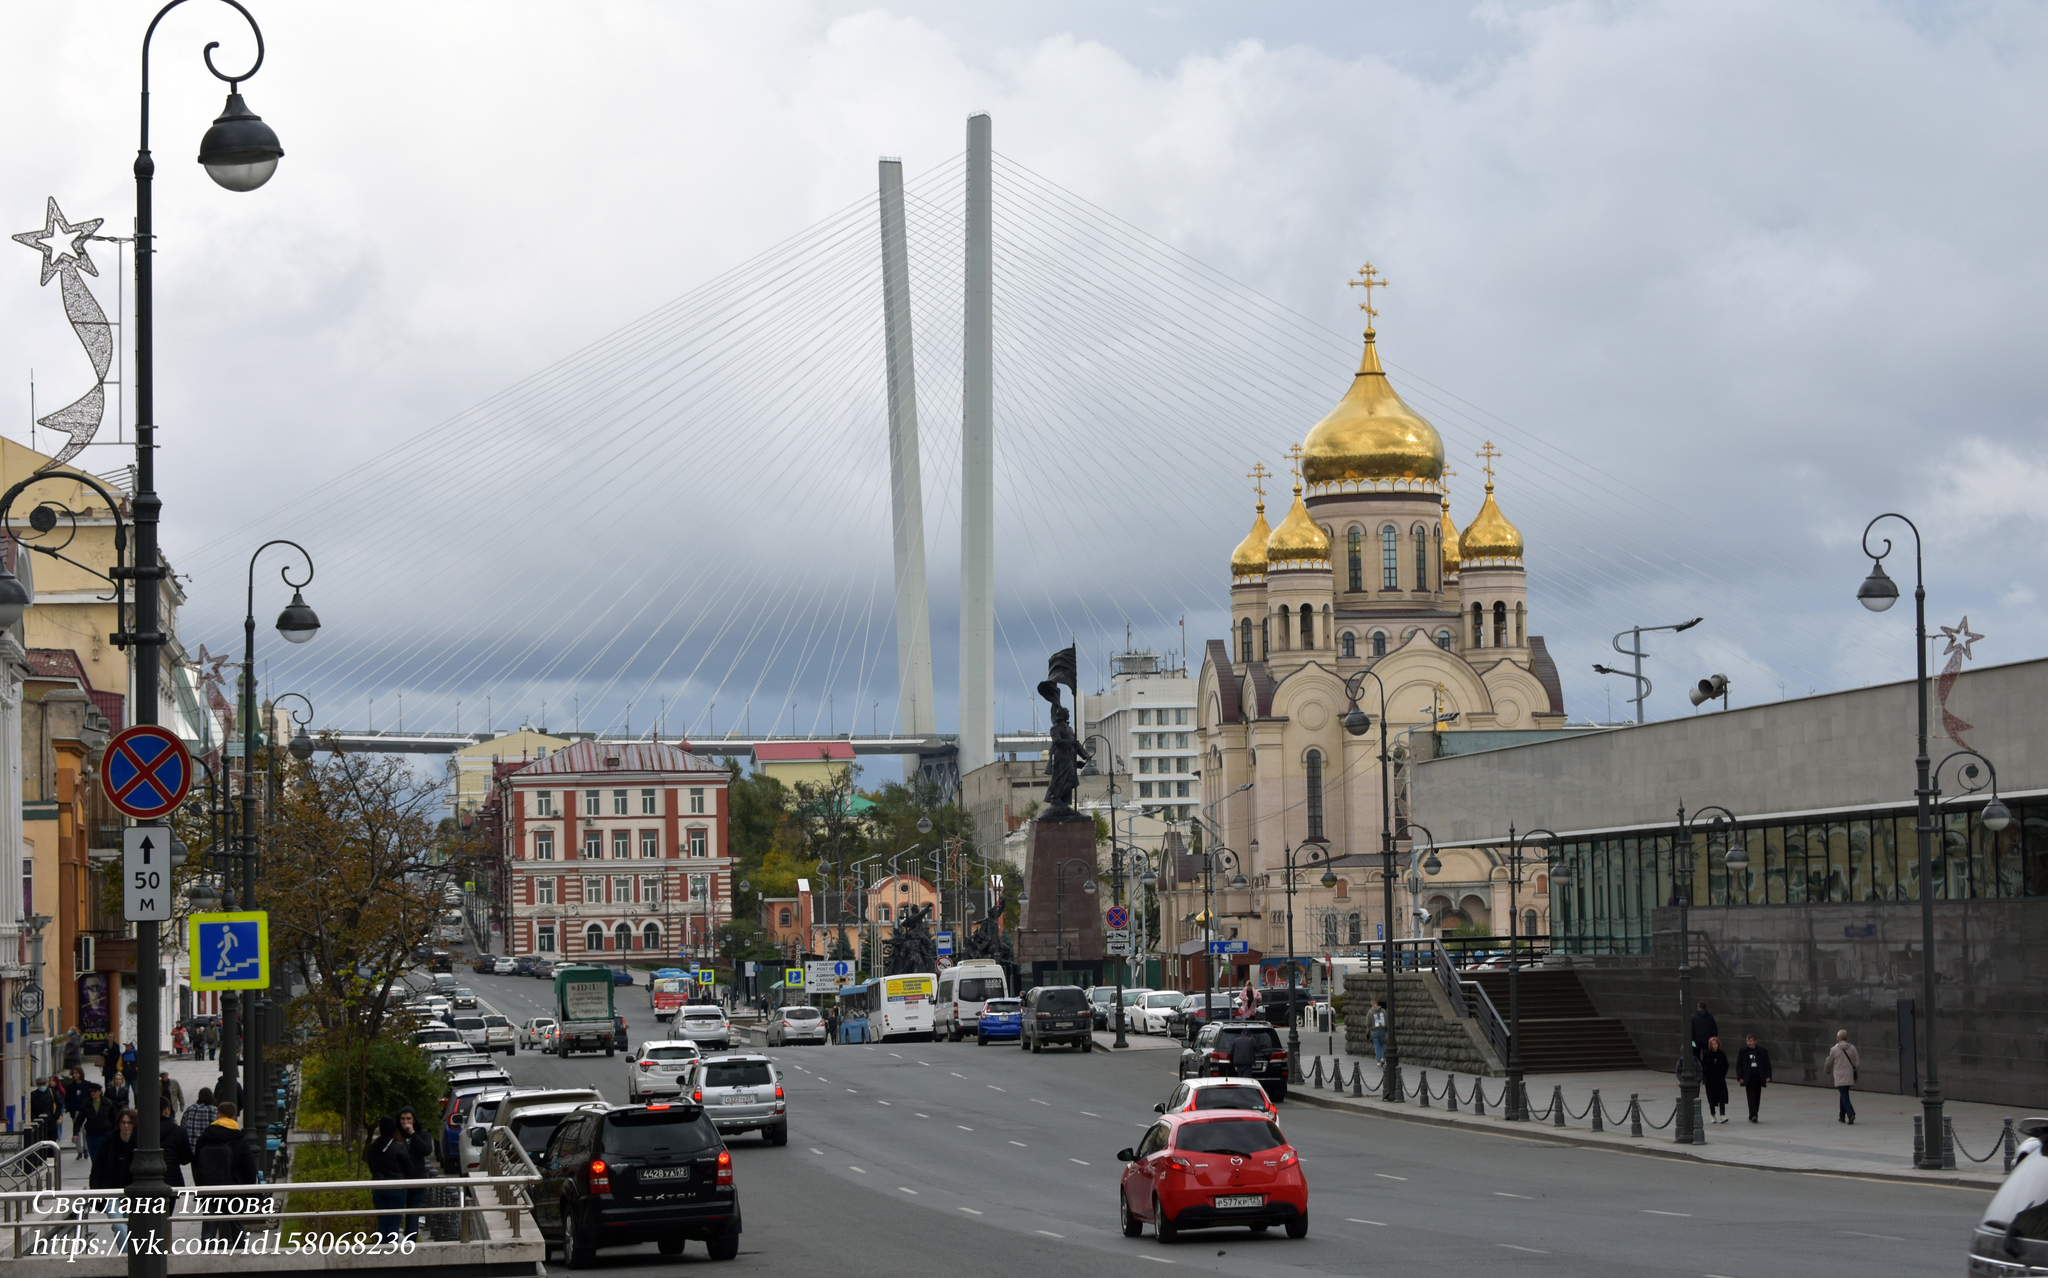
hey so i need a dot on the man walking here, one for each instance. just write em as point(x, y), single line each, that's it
point(1703, 1028)
point(212, 1040)
point(1379, 1029)
point(221, 1157)
point(1842, 1066)
point(199, 1116)
point(1753, 1071)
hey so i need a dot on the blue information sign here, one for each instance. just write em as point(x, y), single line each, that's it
point(1229, 947)
point(231, 951)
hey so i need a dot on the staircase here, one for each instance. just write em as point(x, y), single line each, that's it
point(1562, 1033)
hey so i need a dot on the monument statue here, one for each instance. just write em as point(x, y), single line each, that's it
point(987, 941)
point(1068, 752)
point(911, 945)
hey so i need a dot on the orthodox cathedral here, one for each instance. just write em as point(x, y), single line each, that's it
point(1365, 574)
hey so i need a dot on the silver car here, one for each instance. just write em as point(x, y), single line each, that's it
point(796, 1025)
point(703, 1024)
point(659, 1068)
point(743, 1093)
point(534, 1032)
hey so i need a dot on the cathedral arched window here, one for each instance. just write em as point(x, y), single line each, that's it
point(1357, 930)
point(1244, 640)
point(1355, 539)
point(1500, 624)
point(1521, 622)
point(1308, 628)
point(1390, 558)
point(1313, 766)
point(1421, 557)
point(1379, 643)
point(1265, 637)
point(1443, 640)
point(1348, 645)
point(1478, 625)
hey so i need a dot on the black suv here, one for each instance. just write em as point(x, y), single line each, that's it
point(1058, 1014)
point(633, 1173)
point(1210, 1055)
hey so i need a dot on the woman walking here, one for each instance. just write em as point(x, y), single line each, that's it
point(1714, 1073)
point(387, 1161)
point(1842, 1067)
point(1753, 1071)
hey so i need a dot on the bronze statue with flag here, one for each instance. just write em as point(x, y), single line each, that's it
point(1068, 751)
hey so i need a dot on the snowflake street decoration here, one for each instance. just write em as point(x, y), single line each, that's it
point(1960, 639)
point(62, 245)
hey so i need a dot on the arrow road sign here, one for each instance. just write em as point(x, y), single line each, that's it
point(146, 873)
point(146, 772)
point(230, 951)
point(1229, 947)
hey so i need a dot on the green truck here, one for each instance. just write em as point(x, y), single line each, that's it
point(583, 1006)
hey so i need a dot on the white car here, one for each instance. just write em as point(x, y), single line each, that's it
point(1158, 1005)
point(703, 1024)
point(498, 1035)
point(659, 1068)
point(503, 967)
point(796, 1025)
point(534, 1033)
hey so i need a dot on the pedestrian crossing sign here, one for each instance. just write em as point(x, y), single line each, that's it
point(792, 978)
point(230, 951)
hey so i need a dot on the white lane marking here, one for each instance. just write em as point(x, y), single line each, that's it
point(908, 1190)
point(897, 1055)
point(992, 1087)
point(879, 1102)
point(851, 1090)
point(1511, 1247)
point(1020, 1144)
point(1049, 1233)
point(862, 1170)
point(1356, 1221)
point(1651, 1211)
point(1036, 1101)
point(817, 1151)
point(1076, 1160)
point(964, 1129)
point(956, 1075)
point(870, 1049)
point(1384, 1176)
point(1161, 1259)
point(1499, 1193)
point(1850, 1233)
point(970, 1211)
point(1086, 1114)
point(921, 1115)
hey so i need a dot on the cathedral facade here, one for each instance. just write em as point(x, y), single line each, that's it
point(1366, 572)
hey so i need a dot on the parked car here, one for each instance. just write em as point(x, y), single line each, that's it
point(1001, 1019)
point(1157, 1009)
point(1195, 1094)
point(1195, 1011)
point(660, 1068)
point(703, 1024)
point(1057, 1015)
point(498, 1035)
point(1102, 998)
point(472, 1030)
point(532, 1121)
point(743, 1093)
point(484, 965)
point(523, 965)
point(533, 1032)
point(2012, 1235)
point(794, 1025)
point(1281, 1006)
point(503, 967)
point(462, 998)
point(1209, 1055)
point(543, 968)
point(438, 1034)
point(622, 976)
point(1211, 1170)
point(635, 1174)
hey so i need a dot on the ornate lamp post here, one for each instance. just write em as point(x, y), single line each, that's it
point(1357, 722)
point(1560, 872)
point(1116, 868)
point(1877, 593)
point(1318, 853)
point(1687, 1132)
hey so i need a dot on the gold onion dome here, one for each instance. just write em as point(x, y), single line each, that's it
point(1371, 434)
point(1249, 559)
point(1452, 551)
point(1490, 537)
point(1298, 542)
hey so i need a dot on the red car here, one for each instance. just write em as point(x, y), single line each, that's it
point(1213, 1169)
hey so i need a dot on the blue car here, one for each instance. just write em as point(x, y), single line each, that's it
point(621, 976)
point(1000, 1018)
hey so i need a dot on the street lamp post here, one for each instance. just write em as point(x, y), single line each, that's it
point(1236, 883)
point(1357, 722)
point(1685, 1131)
point(1518, 1094)
point(1877, 593)
point(1116, 870)
point(1318, 854)
point(1635, 649)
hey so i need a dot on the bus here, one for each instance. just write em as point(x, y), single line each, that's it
point(894, 1007)
point(666, 991)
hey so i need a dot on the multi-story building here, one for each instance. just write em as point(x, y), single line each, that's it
point(473, 769)
point(615, 849)
point(1147, 717)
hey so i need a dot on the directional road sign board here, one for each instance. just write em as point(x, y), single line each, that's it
point(146, 772)
point(1229, 947)
point(1117, 918)
point(146, 873)
point(823, 976)
point(230, 951)
point(1118, 944)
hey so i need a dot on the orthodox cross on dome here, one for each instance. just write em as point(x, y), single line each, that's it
point(1368, 279)
point(1258, 474)
point(1488, 452)
point(1448, 474)
point(1294, 460)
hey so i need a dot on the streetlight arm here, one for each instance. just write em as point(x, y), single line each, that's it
point(285, 571)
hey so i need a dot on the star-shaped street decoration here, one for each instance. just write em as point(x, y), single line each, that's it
point(58, 242)
point(1959, 637)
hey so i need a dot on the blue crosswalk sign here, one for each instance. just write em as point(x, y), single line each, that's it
point(230, 951)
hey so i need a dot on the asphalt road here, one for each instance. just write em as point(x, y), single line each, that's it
point(920, 1158)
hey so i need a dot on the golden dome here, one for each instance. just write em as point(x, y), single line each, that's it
point(1249, 559)
point(1490, 537)
point(1450, 540)
point(1299, 542)
point(1371, 435)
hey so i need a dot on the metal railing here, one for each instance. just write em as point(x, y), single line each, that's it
point(1481, 1008)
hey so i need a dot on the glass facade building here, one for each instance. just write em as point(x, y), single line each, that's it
point(1617, 880)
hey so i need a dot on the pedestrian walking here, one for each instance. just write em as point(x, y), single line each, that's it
point(387, 1159)
point(113, 1167)
point(221, 1157)
point(74, 1051)
point(419, 1147)
point(46, 1108)
point(117, 1091)
point(99, 1121)
point(74, 1105)
point(1379, 1029)
point(1703, 1028)
point(1714, 1075)
point(166, 1086)
point(171, 1138)
point(1243, 1055)
point(1842, 1067)
point(110, 1062)
point(212, 1041)
point(1753, 1071)
point(199, 1116)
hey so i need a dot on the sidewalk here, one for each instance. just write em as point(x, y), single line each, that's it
point(1796, 1130)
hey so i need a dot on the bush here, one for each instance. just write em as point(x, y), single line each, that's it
point(318, 1162)
point(369, 1079)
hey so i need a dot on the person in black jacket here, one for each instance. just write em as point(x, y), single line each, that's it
point(1703, 1028)
point(1714, 1074)
point(221, 1156)
point(386, 1159)
point(98, 1117)
point(113, 1167)
point(46, 1108)
point(171, 1136)
point(418, 1148)
point(1753, 1071)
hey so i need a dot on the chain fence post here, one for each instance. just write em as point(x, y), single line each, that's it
point(1699, 1128)
point(1557, 1104)
point(1451, 1094)
point(1948, 1143)
point(1358, 1078)
point(1422, 1089)
point(1479, 1096)
point(1316, 1074)
point(1598, 1126)
point(1635, 1114)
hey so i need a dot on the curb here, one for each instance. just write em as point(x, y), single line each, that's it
point(1552, 1135)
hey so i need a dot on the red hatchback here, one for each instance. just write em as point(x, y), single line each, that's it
point(1212, 1170)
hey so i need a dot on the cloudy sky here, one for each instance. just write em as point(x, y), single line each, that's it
point(1724, 281)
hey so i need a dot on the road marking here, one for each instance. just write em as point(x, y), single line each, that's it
point(1535, 1250)
point(992, 1087)
point(1076, 1160)
point(1384, 1176)
point(1161, 1259)
point(879, 1102)
point(1850, 1233)
point(851, 1090)
point(1503, 1194)
point(862, 1170)
point(926, 1064)
point(870, 1049)
point(1086, 1114)
point(1651, 1211)
point(1036, 1101)
point(1356, 1221)
point(817, 1151)
point(956, 1075)
point(1020, 1144)
point(970, 1211)
point(964, 1129)
point(1049, 1233)
point(921, 1115)
point(908, 1190)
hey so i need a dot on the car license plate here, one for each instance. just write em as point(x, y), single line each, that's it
point(1063, 1025)
point(1242, 1200)
point(664, 1173)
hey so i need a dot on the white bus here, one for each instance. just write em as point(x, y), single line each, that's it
point(962, 990)
point(900, 1007)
